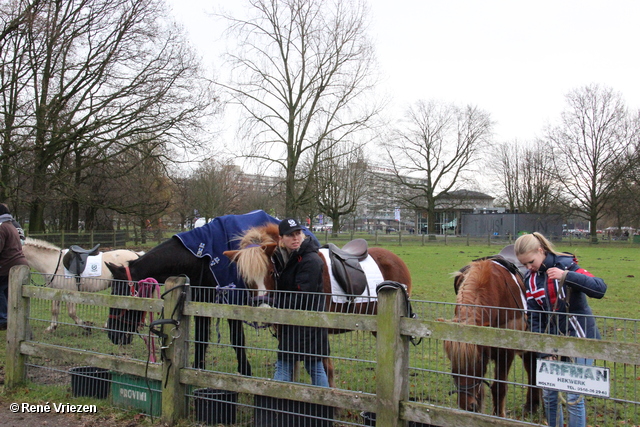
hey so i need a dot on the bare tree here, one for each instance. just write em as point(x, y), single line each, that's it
point(526, 174)
point(436, 146)
point(140, 188)
point(102, 77)
point(215, 188)
point(341, 178)
point(13, 66)
point(302, 71)
point(593, 148)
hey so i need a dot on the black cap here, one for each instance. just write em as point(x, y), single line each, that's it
point(288, 226)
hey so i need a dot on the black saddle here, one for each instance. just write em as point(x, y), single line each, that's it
point(75, 260)
point(505, 258)
point(345, 265)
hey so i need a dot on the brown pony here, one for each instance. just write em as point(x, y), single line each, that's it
point(489, 295)
point(253, 261)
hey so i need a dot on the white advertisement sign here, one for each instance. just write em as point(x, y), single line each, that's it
point(573, 378)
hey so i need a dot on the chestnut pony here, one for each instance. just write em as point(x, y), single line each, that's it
point(253, 261)
point(489, 294)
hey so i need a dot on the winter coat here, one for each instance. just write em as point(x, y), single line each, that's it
point(550, 307)
point(300, 274)
point(10, 246)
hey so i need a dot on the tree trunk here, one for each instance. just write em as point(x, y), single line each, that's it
point(336, 226)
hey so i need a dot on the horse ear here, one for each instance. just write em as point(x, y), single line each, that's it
point(232, 255)
point(269, 248)
point(114, 268)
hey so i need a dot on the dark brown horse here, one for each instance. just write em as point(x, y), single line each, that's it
point(254, 264)
point(489, 294)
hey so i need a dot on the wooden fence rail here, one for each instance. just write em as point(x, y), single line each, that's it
point(390, 402)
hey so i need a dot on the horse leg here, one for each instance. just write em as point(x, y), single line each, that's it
point(71, 310)
point(238, 343)
point(533, 393)
point(503, 363)
point(55, 310)
point(203, 327)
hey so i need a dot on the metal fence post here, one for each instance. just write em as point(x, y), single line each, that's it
point(392, 368)
point(174, 406)
point(17, 331)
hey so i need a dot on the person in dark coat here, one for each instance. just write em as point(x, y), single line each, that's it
point(299, 282)
point(557, 291)
point(10, 255)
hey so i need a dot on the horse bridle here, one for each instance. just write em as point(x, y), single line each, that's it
point(468, 389)
point(123, 311)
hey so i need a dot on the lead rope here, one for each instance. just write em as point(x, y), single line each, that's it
point(177, 312)
point(410, 314)
point(560, 295)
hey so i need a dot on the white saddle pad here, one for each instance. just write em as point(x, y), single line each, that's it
point(371, 271)
point(93, 268)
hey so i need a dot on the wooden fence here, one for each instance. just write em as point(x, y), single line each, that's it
point(393, 329)
point(88, 239)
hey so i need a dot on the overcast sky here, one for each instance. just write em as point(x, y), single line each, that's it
point(515, 59)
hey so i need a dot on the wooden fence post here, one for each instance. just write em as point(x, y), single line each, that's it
point(17, 313)
point(174, 405)
point(392, 368)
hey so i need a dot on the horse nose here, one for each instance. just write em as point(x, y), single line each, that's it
point(116, 336)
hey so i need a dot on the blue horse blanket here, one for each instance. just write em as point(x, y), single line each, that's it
point(219, 235)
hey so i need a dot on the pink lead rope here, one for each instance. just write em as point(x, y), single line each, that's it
point(146, 288)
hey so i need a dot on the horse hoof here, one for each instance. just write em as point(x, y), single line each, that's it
point(265, 305)
point(50, 329)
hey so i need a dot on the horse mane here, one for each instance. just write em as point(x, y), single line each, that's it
point(475, 283)
point(254, 262)
point(41, 244)
point(261, 235)
point(463, 355)
point(475, 288)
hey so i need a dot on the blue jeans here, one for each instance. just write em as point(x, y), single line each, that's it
point(575, 405)
point(315, 368)
point(4, 298)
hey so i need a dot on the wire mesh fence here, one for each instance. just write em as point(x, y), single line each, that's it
point(354, 355)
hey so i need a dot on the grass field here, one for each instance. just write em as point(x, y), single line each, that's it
point(431, 266)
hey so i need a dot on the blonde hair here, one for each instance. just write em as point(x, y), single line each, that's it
point(532, 242)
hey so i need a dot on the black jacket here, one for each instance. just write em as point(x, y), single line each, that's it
point(301, 280)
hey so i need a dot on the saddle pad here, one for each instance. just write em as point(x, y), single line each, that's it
point(522, 295)
point(371, 270)
point(93, 267)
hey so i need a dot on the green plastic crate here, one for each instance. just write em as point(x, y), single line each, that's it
point(129, 391)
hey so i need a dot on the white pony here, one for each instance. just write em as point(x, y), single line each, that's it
point(46, 258)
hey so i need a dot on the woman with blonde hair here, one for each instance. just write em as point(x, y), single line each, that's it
point(557, 291)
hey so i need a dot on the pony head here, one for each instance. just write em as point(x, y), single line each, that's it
point(253, 258)
point(122, 323)
point(468, 368)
